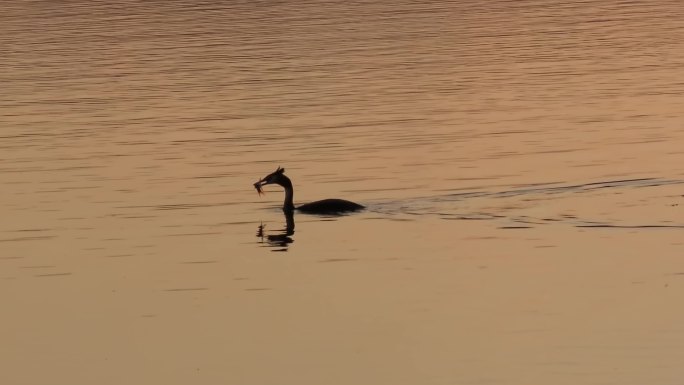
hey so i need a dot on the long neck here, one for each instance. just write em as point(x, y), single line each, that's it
point(289, 194)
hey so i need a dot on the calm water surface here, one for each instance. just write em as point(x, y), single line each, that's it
point(521, 161)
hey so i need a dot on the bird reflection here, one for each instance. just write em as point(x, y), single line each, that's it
point(280, 239)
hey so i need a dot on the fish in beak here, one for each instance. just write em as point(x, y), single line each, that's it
point(258, 186)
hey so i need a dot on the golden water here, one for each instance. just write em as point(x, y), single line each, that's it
point(522, 163)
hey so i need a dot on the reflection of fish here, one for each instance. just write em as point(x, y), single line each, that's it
point(257, 186)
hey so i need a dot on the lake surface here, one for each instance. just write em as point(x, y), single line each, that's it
point(522, 164)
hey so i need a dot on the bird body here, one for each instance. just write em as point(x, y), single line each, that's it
point(330, 206)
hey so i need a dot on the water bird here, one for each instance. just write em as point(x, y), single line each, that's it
point(325, 206)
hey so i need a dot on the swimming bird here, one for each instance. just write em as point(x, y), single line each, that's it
point(325, 206)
